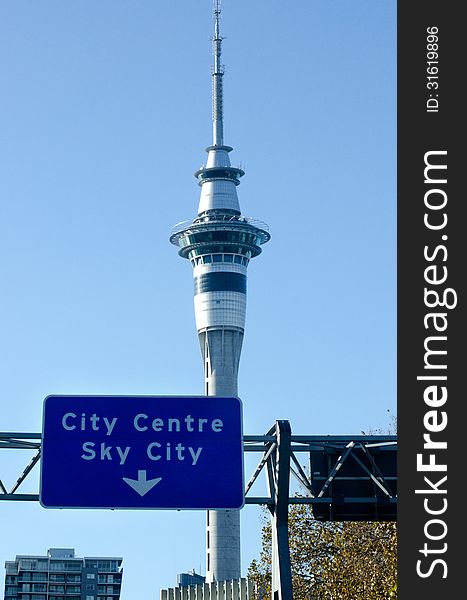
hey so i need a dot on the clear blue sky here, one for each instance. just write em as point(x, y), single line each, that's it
point(104, 117)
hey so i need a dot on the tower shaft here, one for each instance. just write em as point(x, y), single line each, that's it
point(220, 349)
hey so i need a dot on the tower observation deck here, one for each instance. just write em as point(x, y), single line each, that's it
point(220, 242)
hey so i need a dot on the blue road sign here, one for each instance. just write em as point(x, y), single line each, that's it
point(142, 452)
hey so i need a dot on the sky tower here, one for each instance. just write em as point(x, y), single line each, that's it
point(219, 242)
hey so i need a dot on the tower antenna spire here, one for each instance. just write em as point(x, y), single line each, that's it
point(217, 80)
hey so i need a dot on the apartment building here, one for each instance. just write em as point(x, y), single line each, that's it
point(60, 575)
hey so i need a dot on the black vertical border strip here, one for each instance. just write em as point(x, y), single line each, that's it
point(419, 132)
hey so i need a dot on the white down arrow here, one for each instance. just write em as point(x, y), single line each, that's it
point(142, 485)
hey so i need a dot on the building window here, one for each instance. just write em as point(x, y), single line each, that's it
point(10, 590)
point(91, 575)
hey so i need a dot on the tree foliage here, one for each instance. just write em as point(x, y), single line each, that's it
point(333, 560)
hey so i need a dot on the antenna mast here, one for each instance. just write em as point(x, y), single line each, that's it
point(217, 76)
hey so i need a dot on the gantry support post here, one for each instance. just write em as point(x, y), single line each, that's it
point(278, 481)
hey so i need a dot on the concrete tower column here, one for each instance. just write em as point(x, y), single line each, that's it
point(220, 349)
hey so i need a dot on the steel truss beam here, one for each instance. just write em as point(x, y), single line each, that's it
point(339, 451)
point(316, 491)
point(20, 441)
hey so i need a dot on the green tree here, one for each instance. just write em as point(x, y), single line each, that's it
point(333, 560)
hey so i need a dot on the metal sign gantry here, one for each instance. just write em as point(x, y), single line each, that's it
point(345, 478)
point(356, 480)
